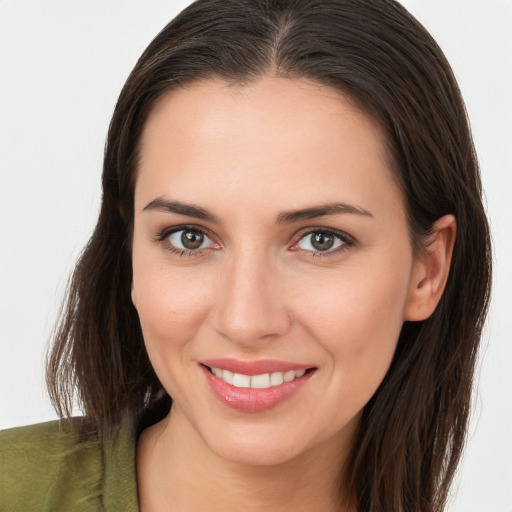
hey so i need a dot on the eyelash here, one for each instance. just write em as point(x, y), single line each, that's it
point(346, 241)
point(163, 238)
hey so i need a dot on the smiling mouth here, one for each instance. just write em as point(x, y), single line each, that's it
point(262, 381)
point(255, 386)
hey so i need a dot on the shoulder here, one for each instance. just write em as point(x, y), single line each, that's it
point(49, 466)
point(43, 464)
point(35, 442)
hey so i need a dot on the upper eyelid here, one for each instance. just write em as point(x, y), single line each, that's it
point(324, 229)
point(165, 232)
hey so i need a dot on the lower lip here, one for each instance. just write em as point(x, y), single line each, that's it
point(252, 399)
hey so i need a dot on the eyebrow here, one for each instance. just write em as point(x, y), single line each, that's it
point(189, 210)
point(163, 205)
point(321, 211)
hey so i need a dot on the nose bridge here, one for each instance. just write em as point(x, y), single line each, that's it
point(250, 306)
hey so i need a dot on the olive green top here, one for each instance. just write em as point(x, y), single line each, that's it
point(47, 467)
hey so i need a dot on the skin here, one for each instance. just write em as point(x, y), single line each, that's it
point(246, 154)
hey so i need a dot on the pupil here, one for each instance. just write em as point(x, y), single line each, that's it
point(322, 241)
point(192, 239)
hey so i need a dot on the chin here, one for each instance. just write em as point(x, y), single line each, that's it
point(268, 443)
point(252, 452)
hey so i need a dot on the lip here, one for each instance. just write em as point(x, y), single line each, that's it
point(252, 400)
point(255, 367)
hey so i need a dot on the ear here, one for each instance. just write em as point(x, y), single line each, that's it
point(431, 271)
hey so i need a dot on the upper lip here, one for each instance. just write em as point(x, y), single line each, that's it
point(258, 367)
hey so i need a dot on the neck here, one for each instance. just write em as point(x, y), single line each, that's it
point(176, 470)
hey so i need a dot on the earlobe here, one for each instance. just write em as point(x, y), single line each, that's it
point(431, 271)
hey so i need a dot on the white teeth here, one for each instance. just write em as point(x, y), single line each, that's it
point(263, 381)
point(226, 376)
point(260, 381)
point(289, 376)
point(276, 379)
point(241, 381)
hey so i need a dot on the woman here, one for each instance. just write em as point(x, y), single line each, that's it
point(290, 198)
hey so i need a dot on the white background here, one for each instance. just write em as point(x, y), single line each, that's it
point(62, 65)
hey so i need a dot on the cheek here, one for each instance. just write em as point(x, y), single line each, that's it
point(358, 320)
point(170, 310)
point(171, 306)
point(361, 300)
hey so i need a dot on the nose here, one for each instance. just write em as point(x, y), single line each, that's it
point(251, 305)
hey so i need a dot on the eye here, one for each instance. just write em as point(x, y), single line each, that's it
point(190, 240)
point(322, 241)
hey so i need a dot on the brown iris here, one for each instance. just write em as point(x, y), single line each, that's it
point(322, 241)
point(192, 239)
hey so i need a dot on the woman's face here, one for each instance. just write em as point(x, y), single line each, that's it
point(270, 239)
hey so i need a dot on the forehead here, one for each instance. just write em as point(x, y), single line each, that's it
point(268, 137)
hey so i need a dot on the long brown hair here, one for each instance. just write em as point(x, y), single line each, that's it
point(413, 429)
